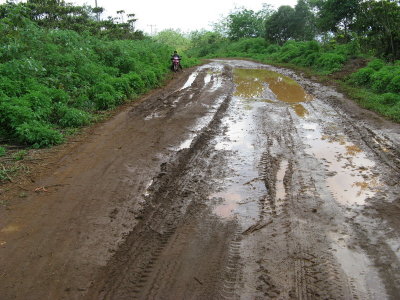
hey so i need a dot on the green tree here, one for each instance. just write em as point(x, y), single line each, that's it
point(378, 25)
point(205, 42)
point(304, 22)
point(280, 26)
point(173, 38)
point(245, 23)
point(337, 16)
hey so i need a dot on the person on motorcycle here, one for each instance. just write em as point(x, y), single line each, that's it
point(175, 56)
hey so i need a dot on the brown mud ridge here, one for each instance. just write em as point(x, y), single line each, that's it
point(236, 181)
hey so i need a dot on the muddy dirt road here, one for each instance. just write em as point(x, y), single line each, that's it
point(236, 181)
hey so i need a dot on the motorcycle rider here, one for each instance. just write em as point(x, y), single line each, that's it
point(175, 56)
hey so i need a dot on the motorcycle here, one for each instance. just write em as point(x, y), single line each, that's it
point(176, 64)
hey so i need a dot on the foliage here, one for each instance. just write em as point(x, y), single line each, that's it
point(336, 15)
point(291, 23)
point(243, 23)
point(280, 26)
point(379, 77)
point(378, 25)
point(56, 14)
point(173, 38)
point(3, 151)
point(55, 79)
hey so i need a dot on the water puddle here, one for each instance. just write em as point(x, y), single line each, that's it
point(190, 80)
point(255, 88)
point(358, 268)
point(207, 78)
point(229, 202)
point(351, 180)
point(269, 86)
point(280, 187)
point(147, 191)
point(152, 116)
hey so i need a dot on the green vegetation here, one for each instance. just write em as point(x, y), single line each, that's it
point(3, 151)
point(61, 64)
point(380, 83)
point(321, 36)
point(57, 71)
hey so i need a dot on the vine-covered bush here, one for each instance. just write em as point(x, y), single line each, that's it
point(51, 79)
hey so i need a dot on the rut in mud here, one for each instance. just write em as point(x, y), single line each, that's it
point(242, 181)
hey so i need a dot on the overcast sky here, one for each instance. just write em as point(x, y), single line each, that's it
point(186, 15)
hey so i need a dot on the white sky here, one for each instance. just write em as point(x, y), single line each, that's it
point(186, 15)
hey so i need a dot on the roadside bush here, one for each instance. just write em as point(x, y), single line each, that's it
point(70, 117)
point(272, 49)
point(54, 79)
point(376, 64)
point(13, 112)
point(38, 135)
point(135, 82)
point(329, 62)
point(362, 77)
point(289, 51)
point(381, 79)
point(394, 85)
point(390, 99)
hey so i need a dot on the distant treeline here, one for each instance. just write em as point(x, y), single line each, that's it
point(321, 35)
point(374, 25)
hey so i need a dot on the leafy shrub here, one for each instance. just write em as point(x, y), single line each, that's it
point(390, 99)
point(394, 85)
point(272, 49)
point(290, 50)
point(70, 117)
point(382, 78)
point(362, 77)
point(38, 135)
point(3, 151)
point(330, 62)
point(15, 111)
point(135, 82)
point(376, 64)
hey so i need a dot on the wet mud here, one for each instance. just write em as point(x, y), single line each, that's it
point(236, 181)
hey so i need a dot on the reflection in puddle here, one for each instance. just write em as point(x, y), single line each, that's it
point(243, 187)
point(300, 110)
point(255, 84)
point(351, 179)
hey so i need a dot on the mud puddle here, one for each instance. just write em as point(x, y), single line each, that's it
point(254, 90)
point(351, 175)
